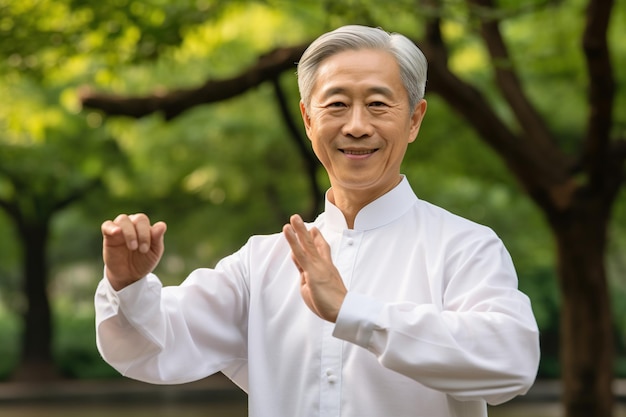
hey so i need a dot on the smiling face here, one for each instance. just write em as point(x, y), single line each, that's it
point(359, 122)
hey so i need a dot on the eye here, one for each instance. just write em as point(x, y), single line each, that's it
point(377, 104)
point(337, 104)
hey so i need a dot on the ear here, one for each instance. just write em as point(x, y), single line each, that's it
point(306, 119)
point(416, 119)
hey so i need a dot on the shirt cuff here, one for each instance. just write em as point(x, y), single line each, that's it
point(356, 320)
point(137, 301)
point(140, 298)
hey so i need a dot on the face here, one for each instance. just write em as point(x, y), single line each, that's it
point(359, 121)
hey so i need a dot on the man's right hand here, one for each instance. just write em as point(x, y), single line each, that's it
point(131, 248)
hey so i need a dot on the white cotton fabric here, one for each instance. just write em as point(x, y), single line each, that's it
point(433, 324)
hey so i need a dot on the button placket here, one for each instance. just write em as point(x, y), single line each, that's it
point(332, 348)
point(330, 383)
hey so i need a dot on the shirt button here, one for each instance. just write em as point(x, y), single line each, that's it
point(350, 242)
point(330, 376)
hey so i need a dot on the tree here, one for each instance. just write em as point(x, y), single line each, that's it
point(576, 192)
point(53, 157)
point(574, 179)
point(31, 203)
point(50, 156)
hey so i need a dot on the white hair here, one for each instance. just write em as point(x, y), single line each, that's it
point(411, 61)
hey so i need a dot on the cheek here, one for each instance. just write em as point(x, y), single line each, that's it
point(321, 136)
point(321, 152)
point(398, 147)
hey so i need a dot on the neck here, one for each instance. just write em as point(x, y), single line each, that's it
point(351, 202)
point(348, 204)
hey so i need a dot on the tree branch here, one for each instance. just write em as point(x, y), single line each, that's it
point(75, 195)
point(615, 168)
point(310, 160)
point(529, 120)
point(546, 182)
point(10, 208)
point(601, 88)
point(174, 103)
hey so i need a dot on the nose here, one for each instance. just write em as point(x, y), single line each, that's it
point(358, 123)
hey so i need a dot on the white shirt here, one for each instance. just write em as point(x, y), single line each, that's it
point(433, 324)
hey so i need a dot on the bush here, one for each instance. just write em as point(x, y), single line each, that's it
point(75, 351)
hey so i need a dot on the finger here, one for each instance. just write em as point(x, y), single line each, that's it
point(143, 231)
point(109, 229)
point(156, 236)
point(127, 227)
point(304, 237)
point(323, 248)
point(297, 253)
point(158, 230)
point(298, 267)
point(291, 237)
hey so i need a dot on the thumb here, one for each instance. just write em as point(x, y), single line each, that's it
point(156, 233)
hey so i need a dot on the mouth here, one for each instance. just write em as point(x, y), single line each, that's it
point(358, 152)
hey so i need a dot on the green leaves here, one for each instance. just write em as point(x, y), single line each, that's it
point(220, 172)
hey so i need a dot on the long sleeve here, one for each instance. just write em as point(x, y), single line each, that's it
point(480, 341)
point(176, 334)
point(433, 324)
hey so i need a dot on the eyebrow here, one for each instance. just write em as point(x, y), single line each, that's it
point(387, 92)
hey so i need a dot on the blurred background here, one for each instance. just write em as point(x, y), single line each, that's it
point(188, 110)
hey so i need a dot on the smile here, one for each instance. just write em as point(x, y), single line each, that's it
point(358, 152)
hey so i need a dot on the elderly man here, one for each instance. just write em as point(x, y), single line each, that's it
point(385, 305)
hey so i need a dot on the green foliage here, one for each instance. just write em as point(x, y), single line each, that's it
point(9, 274)
point(219, 173)
point(75, 352)
point(9, 348)
point(49, 35)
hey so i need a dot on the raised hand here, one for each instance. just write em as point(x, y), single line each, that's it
point(131, 248)
point(321, 285)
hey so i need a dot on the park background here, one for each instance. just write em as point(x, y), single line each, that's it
point(127, 106)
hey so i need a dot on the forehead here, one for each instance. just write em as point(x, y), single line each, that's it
point(370, 69)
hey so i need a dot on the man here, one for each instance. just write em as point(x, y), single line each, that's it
point(384, 306)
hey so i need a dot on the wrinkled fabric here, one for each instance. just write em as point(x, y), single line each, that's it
point(433, 324)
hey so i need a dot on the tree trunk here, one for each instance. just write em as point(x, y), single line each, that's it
point(586, 325)
point(36, 357)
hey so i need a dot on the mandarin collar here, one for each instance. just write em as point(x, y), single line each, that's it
point(379, 212)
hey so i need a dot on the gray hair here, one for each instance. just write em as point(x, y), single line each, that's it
point(411, 60)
